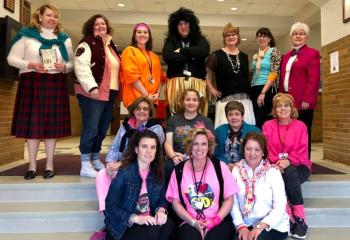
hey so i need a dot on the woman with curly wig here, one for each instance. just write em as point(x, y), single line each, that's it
point(185, 50)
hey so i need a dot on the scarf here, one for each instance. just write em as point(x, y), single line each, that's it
point(130, 127)
point(45, 43)
point(233, 145)
point(249, 183)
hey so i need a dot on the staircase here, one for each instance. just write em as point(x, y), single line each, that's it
point(65, 207)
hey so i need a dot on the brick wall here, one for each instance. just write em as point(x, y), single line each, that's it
point(12, 149)
point(317, 127)
point(336, 102)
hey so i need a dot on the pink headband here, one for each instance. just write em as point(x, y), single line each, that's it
point(141, 25)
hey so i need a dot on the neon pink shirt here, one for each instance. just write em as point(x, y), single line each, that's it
point(208, 196)
point(142, 206)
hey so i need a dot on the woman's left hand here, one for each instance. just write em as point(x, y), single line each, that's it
point(260, 100)
point(61, 67)
point(304, 105)
point(283, 164)
point(161, 217)
point(254, 234)
point(154, 97)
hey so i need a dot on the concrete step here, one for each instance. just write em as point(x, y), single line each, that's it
point(60, 188)
point(327, 212)
point(314, 234)
point(50, 217)
point(326, 189)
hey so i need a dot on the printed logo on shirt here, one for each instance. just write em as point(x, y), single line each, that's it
point(204, 199)
point(79, 51)
point(142, 206)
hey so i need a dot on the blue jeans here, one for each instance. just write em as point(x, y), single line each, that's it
point(97, 116)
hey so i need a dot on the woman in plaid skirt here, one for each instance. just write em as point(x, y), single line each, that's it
point(43, 54)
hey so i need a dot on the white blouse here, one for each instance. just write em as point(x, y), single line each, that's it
point(270, 204)
point(26, 50)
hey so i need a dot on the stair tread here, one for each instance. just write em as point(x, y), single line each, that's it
point(46, 236)
point(327, 203)
point(59, 206)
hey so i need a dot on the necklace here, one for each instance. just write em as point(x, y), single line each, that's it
point(234, 65)
point(149, 62)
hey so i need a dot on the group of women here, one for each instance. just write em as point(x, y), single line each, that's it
point(241, 184)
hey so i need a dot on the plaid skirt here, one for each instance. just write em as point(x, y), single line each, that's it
point(42, 107)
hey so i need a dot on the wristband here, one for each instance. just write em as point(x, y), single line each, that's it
point(241, 227)
point(214, 222)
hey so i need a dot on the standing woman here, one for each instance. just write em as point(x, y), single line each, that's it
point(185, 50)
point(42, 102)
point(135, 204)
point(231, 69)
point(287, 144)
point(201, 191)
point(97, 67)
point(142, 72)
point(300, 75)
point(265, 70)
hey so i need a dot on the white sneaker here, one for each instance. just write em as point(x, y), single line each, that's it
point(98, 165)
point(87, 170)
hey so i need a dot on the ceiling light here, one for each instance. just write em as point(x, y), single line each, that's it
point(234, 9)
point(220, 0)
point(121, 5)
point(244, 39)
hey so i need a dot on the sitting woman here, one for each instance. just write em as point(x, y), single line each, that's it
point(259, 209)
point(180, 124)
point(201, 191)
point(288, 148)
point(141, 116)
point(229, 136)
point(135, 204)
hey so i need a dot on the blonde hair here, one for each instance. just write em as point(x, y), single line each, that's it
point(229, 28)
point(193, 133)
point(35, 21)
point(284, 98)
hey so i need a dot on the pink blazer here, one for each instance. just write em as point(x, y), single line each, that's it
point(304, 78)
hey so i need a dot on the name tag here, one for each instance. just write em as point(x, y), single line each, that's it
point(187, 73)
point(283, 155)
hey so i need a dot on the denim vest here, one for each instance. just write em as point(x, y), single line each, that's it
point(123, 195)
point(265, 68)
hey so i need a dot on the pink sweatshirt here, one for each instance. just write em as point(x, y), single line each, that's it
point(295, 138)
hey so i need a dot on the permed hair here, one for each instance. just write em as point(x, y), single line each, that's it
point(299, 26)
point(193, 133)
point(187, 15)
point(88, 28)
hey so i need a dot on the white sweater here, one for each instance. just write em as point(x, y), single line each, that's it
point(26, 50)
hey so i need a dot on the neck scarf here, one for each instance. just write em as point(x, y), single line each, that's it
point(249, 183)
point(45, 43)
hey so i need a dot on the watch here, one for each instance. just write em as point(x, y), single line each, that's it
point(258, 226)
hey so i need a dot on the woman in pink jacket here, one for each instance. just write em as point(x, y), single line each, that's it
point(287, 142)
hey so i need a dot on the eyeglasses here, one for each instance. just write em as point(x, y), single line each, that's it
point(146, 109)
point(298, 34)
point(230, 35)
point(283, 106)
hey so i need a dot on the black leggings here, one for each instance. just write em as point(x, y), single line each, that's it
point(293, 177)
point(144, 232)
point(225, 230)
point(262, 114)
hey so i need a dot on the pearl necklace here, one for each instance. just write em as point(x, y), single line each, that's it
point(234, 65)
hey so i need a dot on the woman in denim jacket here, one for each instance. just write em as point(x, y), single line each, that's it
point(135, 204)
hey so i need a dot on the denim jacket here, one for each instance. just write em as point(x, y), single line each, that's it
point(123, 195)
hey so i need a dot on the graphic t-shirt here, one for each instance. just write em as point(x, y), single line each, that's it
point(142, 206)
point(204, 203)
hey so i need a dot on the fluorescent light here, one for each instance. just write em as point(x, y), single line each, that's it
point(234, 9)
point(244, 39)
point(121, 5)
point(220, 0)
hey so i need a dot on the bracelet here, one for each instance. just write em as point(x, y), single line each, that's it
point(241, 227)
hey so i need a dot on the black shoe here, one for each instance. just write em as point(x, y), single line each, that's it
point(30, 175)
point(48, 174)
point(299, 229)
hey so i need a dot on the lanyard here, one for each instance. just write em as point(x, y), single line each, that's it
point(200, 213)
point(149, 60)
point(282, 141)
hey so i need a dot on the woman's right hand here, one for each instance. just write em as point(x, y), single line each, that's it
point(199, 225)
point(243, 233)
point(94, 94)
point(37, 67)
point(144, 220)
point(215, 92)
point(179, 157)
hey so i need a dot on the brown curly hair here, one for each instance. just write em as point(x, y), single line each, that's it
point(193, 133)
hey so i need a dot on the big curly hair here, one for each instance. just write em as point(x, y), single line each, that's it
point(187, 15)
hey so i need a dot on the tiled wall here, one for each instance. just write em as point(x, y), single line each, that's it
point(336, 102)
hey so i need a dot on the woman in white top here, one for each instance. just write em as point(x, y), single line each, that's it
point(43, 54)
point(259, 209)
